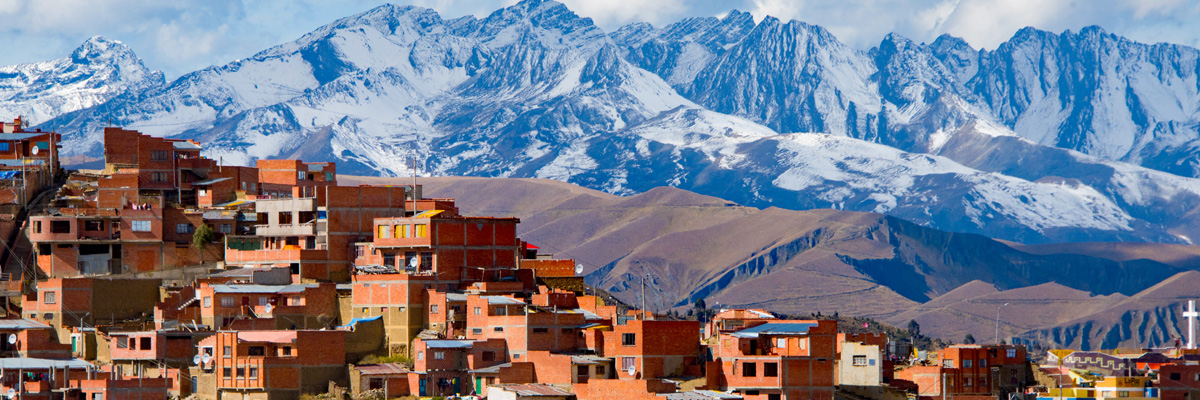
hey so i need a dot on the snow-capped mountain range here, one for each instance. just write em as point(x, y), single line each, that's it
point(1072, 137)
point(97, 71)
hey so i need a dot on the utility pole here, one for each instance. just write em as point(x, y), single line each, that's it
point(644, 296)
point(998, 323)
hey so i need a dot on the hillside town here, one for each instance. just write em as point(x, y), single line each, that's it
point(167, 275)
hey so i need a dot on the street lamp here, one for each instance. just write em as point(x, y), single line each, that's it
point(998, 322)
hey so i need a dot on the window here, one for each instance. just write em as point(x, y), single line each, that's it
point(4, 146)
point(146, 343)
point(749, 369)
point(433, 309)
point(60, 226)
point(37, 226)
point(476, 331)
point(159, 155)
point(982, 363)
point(967, 363)
point(385, 232)
point(500, 311)
point(207, 301)
point(139, 226)
point(97, 396)
point(774, 396)
point(48, 316)
point(299, 175)
point(295, 301)
point(183, 228)
point(422, 230)
point(132, 343)
point(770, 369)
point(627, 363)
point(254, 372)
point(600, 370)
point(227, 372)
point(629, 339)
point(860, 361)
point(241, 372)
point(967, 382)
point(1012, 353)
point(93, 226)
point(478, 310)
point(50, 298)
point(488, 356)
point(286, 351)
point(403, 231)
point(781, 342)
point(159, 177)
point(1175, 376)
point(804, 344)
point(329, 177)
point(257, 351)
point(122, 344)
point(439, 355)
point(227, 302)
point(541, 330)
point(498, 329)
point(226, 228)
point(420, 355)
point(228, 351)
point(948, 363)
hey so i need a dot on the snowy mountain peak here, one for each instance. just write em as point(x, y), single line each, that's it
point(95, 72)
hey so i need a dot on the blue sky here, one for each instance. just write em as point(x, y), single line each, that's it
point(179, 36)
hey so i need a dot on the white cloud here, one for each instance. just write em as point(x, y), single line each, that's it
point(612, 14)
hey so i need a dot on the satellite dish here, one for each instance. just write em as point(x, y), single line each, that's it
point(268, 308)
point(578, 268)
point(413, 262)
point(630, 371)
point(12, 339)
point(206, 358)
point(196, 360)
point(34, 150)
point(11, 393)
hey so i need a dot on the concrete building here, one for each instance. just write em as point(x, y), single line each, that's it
point(64, 303)
point(1179, 381)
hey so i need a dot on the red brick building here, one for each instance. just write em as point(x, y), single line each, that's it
point(987, 370)
point(269, 364)
point(777, 360)
point(1179, 381)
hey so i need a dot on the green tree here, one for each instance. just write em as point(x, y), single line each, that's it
point(914, 328)
point(201, 239)
point(969, 339)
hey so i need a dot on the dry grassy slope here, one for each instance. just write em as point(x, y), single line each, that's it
point(695, 246)
point(1148, 318)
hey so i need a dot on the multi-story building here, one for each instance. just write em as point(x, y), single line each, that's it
point(314, 233)
point(777, 360)
point(291, 306)
point(29, 338)
point(63, 303)
point(270, 365)
point(1179, 381)
point(986, 370)
point(653, 349)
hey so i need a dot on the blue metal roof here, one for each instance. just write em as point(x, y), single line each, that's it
point(776, 328)
point(448, 344)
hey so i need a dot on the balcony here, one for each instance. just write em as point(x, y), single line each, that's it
point(302, 229)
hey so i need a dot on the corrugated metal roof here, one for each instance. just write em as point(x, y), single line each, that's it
point(776, 328)
point(357, 320)
point(448, 344)
point(588, 360)
point(185, 145)
point(13, 364)
point(700, 395)
point(294, 288)
point(456, 297)
point(535, 389)
point(267, 336)
point(428, 214)
point(503, 300)
point(23, 323)
point(495, 369)
point(20, 136)
point(211, 181)
point(382, 369)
